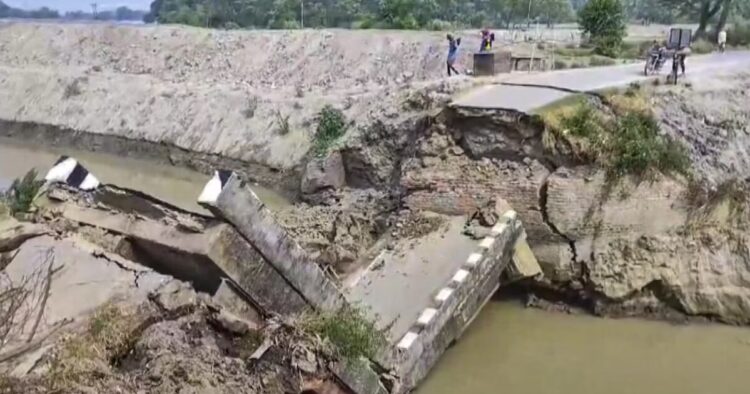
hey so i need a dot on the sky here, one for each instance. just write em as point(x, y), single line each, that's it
point(73, 5)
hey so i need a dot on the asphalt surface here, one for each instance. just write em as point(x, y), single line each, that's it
point(552, 86)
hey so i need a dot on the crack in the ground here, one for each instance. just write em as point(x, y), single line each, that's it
point(136, 273)
point(543, 196)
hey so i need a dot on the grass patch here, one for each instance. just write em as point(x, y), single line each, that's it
point(626, 142)
point(348, 330)
point(19, 197)
point(632, 100)
point(331, 127)
point(282, 123)
point(88, 355)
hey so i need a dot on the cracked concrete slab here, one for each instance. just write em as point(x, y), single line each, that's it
point(61, 283)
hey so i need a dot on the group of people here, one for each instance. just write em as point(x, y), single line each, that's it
point(488, 38)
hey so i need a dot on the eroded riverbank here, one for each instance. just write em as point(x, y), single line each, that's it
point(534, 351)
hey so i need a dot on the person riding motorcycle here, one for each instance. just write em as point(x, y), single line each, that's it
point(659, 51)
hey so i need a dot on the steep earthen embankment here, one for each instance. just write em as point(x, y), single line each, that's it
point(650, 247)
point(244, 99)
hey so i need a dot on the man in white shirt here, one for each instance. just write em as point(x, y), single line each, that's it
point(722, 39)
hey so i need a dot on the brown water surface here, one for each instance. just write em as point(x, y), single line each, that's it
point(513, 350)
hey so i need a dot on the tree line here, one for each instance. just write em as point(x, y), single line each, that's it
point(427, 14)
point(395, 14)
point(118, 14)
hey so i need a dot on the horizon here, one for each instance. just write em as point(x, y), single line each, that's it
point(78, 5)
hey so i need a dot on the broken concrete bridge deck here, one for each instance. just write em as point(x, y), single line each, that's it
point(401, 282)
point(526, 92)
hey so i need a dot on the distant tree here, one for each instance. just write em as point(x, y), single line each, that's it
point(4, 9)
point(701, 10)
point(604, 22)
point(552, 11)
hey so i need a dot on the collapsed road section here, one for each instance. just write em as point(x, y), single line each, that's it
point(251, 266)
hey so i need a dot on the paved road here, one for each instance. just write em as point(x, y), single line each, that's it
point(526, 99)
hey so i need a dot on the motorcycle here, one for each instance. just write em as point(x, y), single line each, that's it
point(654, 63)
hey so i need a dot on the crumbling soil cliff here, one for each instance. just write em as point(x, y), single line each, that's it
point(664, 245)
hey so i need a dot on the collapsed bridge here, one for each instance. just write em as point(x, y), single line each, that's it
point(422, 296)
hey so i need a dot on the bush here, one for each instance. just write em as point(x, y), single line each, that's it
point(598, 60)
point(607, 46)
point(604, 22)
point(739, 34)
point(636, 147)
point(348, 330)
point(701, 47)
point(627, 144)
point(331, 127)
point(20, 195)
point(439, 25)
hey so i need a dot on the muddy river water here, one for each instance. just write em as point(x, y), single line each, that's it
point(508, 349)
point(513, 350)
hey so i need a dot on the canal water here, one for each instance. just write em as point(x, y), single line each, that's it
point(510, 349)
point(176, 185)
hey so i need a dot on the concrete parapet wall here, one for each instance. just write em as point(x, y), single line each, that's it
point(240, 206)
point(456, 304)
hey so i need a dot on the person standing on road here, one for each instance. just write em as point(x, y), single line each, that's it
point(453, 45)
point(722, 40)
point(680, 56)
point(487, 39)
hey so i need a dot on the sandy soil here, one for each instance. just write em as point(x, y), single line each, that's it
point(222, 92)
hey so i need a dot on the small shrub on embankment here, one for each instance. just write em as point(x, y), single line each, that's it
point(626, 141)
point(20, 195)
point(348, 330)
point(331, 127)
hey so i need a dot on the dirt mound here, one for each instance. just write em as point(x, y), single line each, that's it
point(332, 59)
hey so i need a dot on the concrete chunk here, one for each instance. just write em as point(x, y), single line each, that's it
point(239, 206)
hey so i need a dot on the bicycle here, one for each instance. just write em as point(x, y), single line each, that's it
point(677, 60)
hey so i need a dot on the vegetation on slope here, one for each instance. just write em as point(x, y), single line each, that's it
point(626, 141)
point(349, 331)
point(20, 195)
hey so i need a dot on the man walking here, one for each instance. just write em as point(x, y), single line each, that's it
point(453, 45)
point(722, 39)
